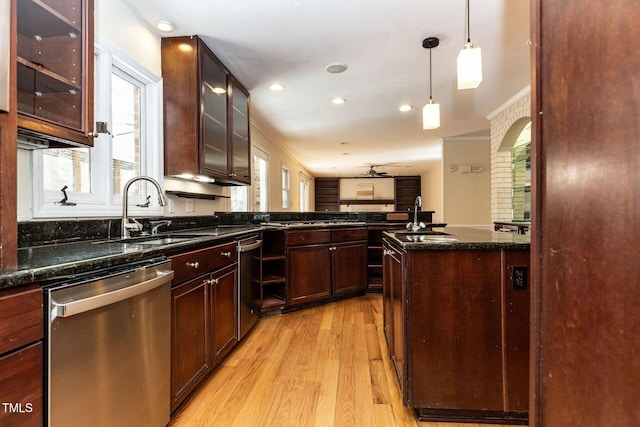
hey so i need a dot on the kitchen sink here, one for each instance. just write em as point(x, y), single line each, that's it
point(159, 240)
point(425, 238)
point(423, 233)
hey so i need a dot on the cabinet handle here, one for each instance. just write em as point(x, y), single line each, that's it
point(213, 281)
point(92, 134)
point(193, 264)
point(227, 254)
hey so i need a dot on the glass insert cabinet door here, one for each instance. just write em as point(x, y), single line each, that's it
point(55, 66)
point(214, 116)
point(240, 136)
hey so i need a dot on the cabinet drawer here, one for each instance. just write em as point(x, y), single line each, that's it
point(191, 264)
point(309, 237)
point(349, 235)
point(20, 317)
point(21, 385)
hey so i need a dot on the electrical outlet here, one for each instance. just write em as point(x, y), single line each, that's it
point(190, 206)
point(519, 277)
point(171, 206)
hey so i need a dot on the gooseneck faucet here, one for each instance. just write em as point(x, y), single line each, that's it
point(415, 226)
point(127, 226)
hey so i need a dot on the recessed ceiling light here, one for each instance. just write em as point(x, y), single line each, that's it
point(276, 87)
point(217, 89)
point(336, 68)
point(338, 101)
point(406, 107)
point(164, 26)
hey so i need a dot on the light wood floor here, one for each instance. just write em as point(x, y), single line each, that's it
point(322, 366)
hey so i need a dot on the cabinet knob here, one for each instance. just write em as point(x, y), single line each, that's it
point(92, 134)
point(193, 264)
point(227, 254)
point(214, 281)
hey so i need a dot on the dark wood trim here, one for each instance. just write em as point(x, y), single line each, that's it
point(8, 164)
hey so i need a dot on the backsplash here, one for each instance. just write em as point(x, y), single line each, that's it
point(38, 233)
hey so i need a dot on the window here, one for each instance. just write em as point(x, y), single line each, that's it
point(286, 186)
point(240, 199)
point(304, 192)
point(260, 184)
point(127, 98)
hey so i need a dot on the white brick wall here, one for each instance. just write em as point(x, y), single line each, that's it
point(502, 119)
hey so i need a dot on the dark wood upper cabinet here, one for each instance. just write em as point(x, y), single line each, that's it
point(206, 114)
point(240, 152)
point(55, 71)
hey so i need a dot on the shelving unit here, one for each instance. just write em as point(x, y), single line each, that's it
point(55, 69)
point(327, 194)
point(374, 255)
point(272, 280)
point(407, 188)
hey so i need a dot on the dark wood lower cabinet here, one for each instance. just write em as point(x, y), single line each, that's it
point(21, 387)
point(308, 273)
point(204, 315)
point(224, 309)
point(394, 310)
point(21, 356)
point(458, 331)
point(325, 263)
point(190, 349)
point(349, 265)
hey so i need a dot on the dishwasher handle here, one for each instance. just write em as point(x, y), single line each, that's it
point(250, 246)
point(87, 304)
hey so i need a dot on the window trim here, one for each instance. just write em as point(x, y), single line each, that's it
point(101, 201)
point(286, 186)
point(305, 193)
point(260, 153)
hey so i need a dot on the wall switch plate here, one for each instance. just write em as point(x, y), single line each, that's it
point(190, 208)
point(171, 206)
point(519, 277)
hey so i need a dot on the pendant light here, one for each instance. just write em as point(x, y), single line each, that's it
point(469, 62)
point(431, 111)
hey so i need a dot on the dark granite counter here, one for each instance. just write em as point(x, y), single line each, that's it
point(459, 238)
point(45, 263)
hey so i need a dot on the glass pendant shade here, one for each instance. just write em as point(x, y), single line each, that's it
point(469, 67)
point(431, 115)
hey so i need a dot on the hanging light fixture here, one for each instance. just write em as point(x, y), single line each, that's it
point(469, 62)
point(431, 111)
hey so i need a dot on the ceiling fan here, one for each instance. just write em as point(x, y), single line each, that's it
point(372, 172)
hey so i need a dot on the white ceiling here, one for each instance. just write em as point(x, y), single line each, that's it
point(292, 41)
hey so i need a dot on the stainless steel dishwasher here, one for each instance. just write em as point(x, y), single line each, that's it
point(108, 347)
point(248, 253)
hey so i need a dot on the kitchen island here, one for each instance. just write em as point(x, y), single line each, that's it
point(456, 320)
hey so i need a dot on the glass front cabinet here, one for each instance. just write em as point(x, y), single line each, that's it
point(206, 112)
point(55, 71)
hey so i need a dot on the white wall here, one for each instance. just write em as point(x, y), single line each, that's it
point(432, 192)
point(278, 157)
point(467, 195)
point(117, 24)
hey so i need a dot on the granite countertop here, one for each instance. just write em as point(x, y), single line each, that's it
point(40, 264)
point(460, 238)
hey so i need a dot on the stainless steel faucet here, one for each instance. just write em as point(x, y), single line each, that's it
point(415, 226)
point(127, 226)
point(155, 225)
